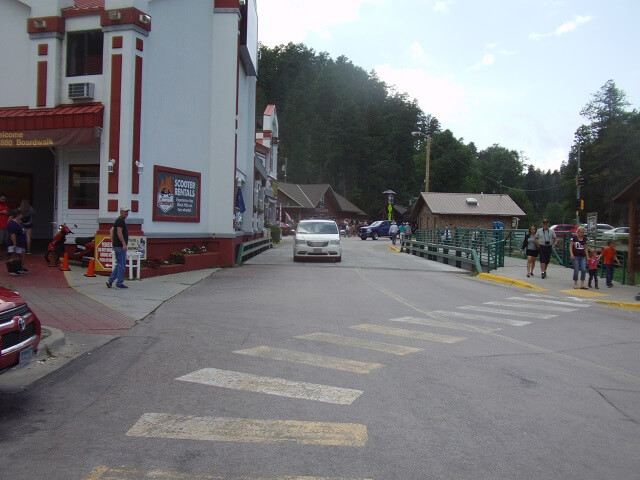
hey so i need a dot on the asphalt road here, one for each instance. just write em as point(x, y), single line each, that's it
point(384, 366)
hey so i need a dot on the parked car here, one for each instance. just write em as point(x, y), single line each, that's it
point(286, 228)
point(615, 233)
point(377, 229)
point(317, 238)
point(564, 229)
point(20, 331)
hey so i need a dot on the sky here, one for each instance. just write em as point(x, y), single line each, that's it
point(511, 72)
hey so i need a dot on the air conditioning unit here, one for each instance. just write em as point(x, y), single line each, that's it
point(81, 91)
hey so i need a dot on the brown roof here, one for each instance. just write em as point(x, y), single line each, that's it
point(463, 204)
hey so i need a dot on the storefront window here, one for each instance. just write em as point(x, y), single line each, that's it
point(84, 53)
point(84, 183)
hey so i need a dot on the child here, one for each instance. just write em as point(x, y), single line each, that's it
point(609, 255)
point(592, 263)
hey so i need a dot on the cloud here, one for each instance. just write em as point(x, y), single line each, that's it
point(442, 6)
point(284, 21)
point(438, 96)
point(562, 29)
point(487, 59)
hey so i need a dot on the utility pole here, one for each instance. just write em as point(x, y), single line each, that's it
point(426, 179)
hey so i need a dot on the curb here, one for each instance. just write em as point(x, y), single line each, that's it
point(511, 281)
point(51, 343)
point(395, 249)
point(612, 303)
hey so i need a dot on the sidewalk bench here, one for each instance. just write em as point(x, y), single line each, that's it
point(251, 248)
point(133, 262)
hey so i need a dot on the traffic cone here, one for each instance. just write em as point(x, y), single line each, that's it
point(90, 269)
point(64, 266)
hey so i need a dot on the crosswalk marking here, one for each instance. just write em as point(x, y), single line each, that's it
point(107, 473)
point(222, 429)
point(272, 386)
point(310, 359)
point(507, 312)
point(484, 318)
point(401, 332)
point(431, 322)
point(359, 342)
point(532, 307)
point(547, 300)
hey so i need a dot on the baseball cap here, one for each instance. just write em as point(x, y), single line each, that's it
point(124, 209)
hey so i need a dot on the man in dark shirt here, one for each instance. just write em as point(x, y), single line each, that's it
point(119, 239)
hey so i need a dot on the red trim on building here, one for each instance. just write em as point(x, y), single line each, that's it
point(116, 42)
point(137, 121)
point(259, 148)
point(227, 4)
point(112, 205)
point(41, 97)
point(127, 16)
point(51, 24)
point(83, 7)
point(114, 120)
point(134, 205)
point(63, 116)
point(139, 44)
point(43, 49)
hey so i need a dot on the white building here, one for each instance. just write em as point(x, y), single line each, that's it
point(144, 103)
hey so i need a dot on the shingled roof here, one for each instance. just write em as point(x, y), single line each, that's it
point(468, 204)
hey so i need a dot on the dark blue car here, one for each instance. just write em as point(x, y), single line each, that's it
point(377, 229)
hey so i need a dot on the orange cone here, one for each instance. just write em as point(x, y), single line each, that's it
point(64, 266)
point(90, 269)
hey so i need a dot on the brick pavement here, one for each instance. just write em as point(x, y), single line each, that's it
point(58, 305)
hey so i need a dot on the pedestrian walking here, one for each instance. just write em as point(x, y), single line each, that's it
point(545, 241)
point(592, 264)
point(119, 241)
point(408, 231)
point(530, 249)
point(17, 244)
point(579, 251)
point(393, 232)
point(26, 219)
point(609, 256)
point(401, 231)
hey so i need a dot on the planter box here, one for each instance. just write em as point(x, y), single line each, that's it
point(195, 261)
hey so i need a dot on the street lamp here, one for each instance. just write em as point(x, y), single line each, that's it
point(390, 194)
point(426, 176)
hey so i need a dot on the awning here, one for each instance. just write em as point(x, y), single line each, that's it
point(50, 127)
point(63, 116)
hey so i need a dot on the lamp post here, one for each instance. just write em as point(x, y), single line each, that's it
point(426, 176)
point(390, 194)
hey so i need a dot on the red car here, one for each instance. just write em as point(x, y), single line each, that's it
point(564, 228)
point(286, 228)
point(19, 331)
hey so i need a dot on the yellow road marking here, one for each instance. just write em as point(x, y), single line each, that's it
point(272, 386)
point(189, 427)
point(359, 342)
point(311, 359)
point(401, 332)
point(430, 322)
point(106, 473)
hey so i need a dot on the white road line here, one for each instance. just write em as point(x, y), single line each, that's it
point(555, 302)
point(484, 318)
point(310, 359)
point(222, 429)
point(401, 332)
point(507, 312)
point(272, 386)
point(359, 342)
point(532, 307)
point(108, 473)
point(431, 322)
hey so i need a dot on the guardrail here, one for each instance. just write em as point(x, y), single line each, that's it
point(252, 248)
point(439, 252)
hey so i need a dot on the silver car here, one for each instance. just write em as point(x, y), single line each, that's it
point(317, 239)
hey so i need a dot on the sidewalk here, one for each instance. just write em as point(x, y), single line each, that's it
point(79, 313)
point(560, 279)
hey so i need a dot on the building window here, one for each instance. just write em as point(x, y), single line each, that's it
point(84, 53)
point(84, 183)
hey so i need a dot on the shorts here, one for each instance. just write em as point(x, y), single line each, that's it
point(3, 236)
point(545, 254)
point(532, 253)
point(13, 249)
